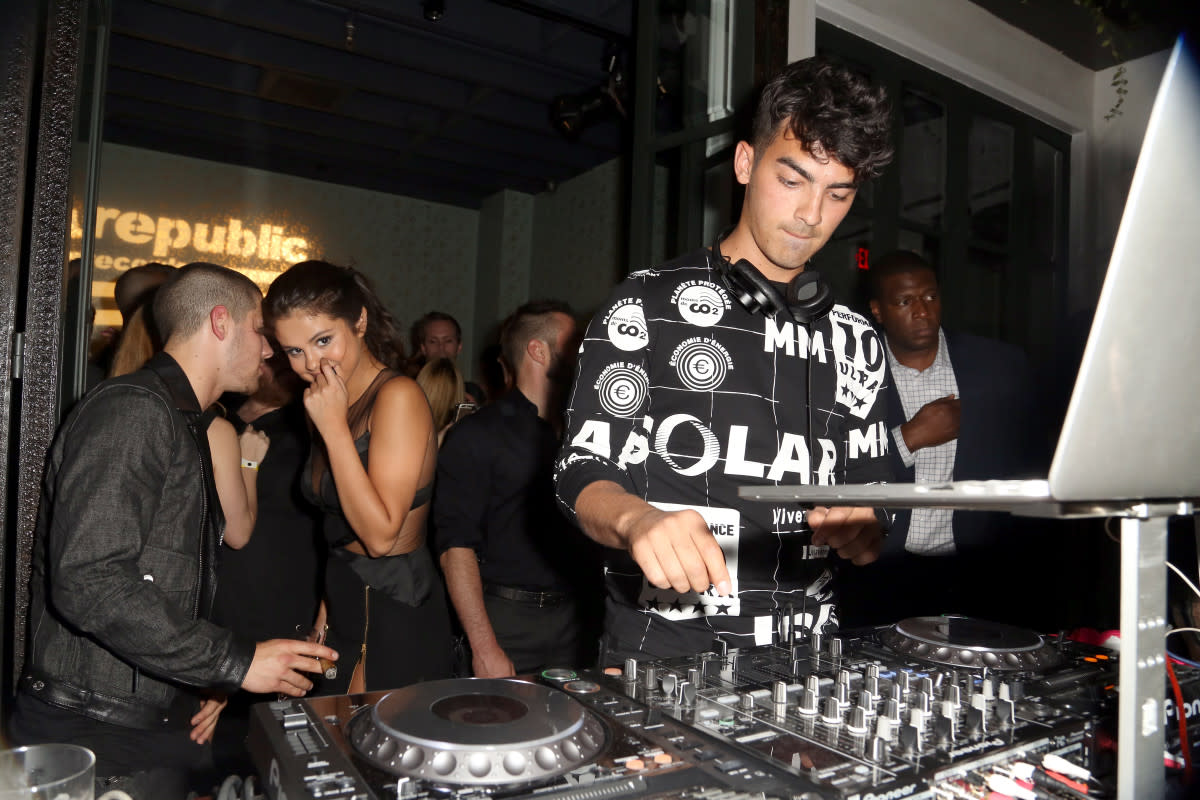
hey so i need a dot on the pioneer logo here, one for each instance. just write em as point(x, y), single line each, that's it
point(891, 794)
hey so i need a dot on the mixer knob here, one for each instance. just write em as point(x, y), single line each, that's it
point(779, 692)
point(747, 702)
point(831, 711)
point(815, 640)
point(1006, 712)
point(866, 702)
point(669, 681)
point(987, 688)
point(885, 728)
point(687, 692)
point(808, 702)
point(891, 710)
point(835, 647)
point(871, 684)
point(1005, 692)
point(952, 694)
point(910, 740)
point(925, 685)
point(630, 673)
point(858, 721)
point(903, 682)
point(918, 718)
point(879, 750)
point(694, 676)
point(813, 684)
point(650, 678)
point(922, 701)
point(841, 692)
point(873, 671)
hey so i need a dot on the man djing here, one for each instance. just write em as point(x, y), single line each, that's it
point(728, 367)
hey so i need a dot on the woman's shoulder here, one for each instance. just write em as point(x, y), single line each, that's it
point(400, 394)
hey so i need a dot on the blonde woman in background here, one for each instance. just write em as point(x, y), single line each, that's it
point(444, 388)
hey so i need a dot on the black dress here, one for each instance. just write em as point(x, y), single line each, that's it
point(390, 609)
point(273, 584)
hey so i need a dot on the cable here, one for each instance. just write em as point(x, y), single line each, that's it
point(1181, 715)
point(1183, 578)
point(1185, 661)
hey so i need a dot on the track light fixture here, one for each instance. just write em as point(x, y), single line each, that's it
point(571, 113)
point(434, 9)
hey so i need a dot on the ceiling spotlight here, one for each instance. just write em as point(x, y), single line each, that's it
point(434, 9)
point(571, 113)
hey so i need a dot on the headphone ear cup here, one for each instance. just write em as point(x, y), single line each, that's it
point(808, 297)
point(754, 292)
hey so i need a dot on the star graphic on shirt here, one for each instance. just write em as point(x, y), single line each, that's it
point(845, 391)
point(722, 609)
point(676, 605)
point(859, 402)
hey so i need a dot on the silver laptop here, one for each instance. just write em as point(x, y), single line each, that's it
point(1132, 430)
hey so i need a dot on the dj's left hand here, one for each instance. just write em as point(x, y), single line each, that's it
point(854, 533)
point(205, 720)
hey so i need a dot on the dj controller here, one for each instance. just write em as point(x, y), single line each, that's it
point(932, 707)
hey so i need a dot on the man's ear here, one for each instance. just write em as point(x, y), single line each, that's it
point(538, 351)
point(875, 312)
point(743, 162)
point(221, 322)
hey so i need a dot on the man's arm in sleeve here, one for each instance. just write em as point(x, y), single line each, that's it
point(673, 549)
point(459, 519)
point(109, 486)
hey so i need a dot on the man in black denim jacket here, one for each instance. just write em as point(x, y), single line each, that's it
point(122, 657)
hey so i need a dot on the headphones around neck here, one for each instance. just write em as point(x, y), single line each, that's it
point(807, 300)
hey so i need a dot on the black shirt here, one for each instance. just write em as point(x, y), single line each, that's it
point(274, 583)
point(495, 494)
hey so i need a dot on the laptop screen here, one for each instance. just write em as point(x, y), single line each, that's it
point(1132, 429)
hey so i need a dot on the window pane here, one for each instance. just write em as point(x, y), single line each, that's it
point(927, 246)
point(923, 159)
point(980, 283)
point(989, 179)
point(1047, 202)
point(840, 261)
point(695, 58)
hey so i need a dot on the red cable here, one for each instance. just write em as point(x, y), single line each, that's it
point(1181, 713)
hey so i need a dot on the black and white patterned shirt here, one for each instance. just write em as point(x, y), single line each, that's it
point(930, 530)
point(683, 396)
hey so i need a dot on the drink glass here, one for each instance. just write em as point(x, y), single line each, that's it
point(47, 772)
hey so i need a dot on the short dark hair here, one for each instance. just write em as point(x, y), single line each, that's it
point(894, 263)
point(183, 302)
point(533, 320)
point(831, 110)
point(418, 329)
point(318, 287)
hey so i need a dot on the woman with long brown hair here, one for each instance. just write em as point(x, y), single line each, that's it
point(371, 472)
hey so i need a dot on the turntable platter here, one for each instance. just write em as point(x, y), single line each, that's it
point(967, 642)
point(477, 732)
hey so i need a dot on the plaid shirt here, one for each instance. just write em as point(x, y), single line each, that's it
point(930, 530)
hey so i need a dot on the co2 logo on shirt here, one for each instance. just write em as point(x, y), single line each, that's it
point(627, 326)
point(702, 364)
point(701, 303)
point(622, 389)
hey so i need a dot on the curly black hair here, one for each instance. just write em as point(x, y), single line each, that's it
point(831, 110)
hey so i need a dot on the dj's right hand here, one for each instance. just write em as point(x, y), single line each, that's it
point(278, 664)
point(676, 550)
